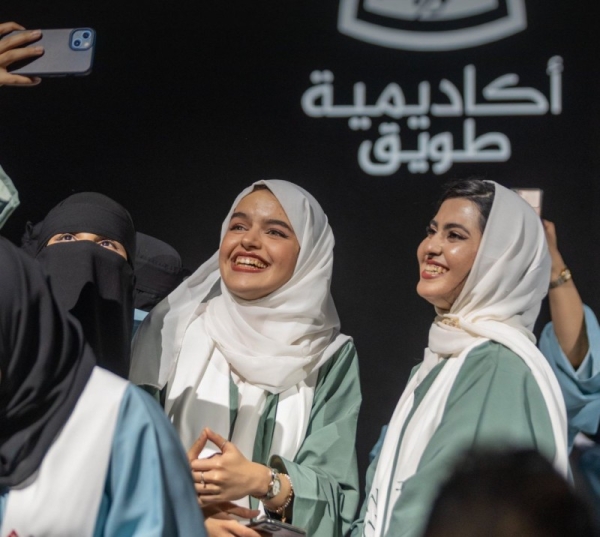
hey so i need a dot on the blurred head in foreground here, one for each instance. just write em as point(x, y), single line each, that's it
point(507, 494)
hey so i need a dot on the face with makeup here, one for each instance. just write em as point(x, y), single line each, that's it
point(448, 252)
point(259, 251)
point(109, 244)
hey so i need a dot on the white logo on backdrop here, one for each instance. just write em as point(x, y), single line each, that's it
point(421, 19)
point(384, 156)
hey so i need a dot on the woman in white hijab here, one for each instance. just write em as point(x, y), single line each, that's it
point(248, 356)
point(484, 265)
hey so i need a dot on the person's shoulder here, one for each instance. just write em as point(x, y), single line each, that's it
point(342, 357)
point(347, 349)
point(342, 364)
point(495, 355)
point(141, 405)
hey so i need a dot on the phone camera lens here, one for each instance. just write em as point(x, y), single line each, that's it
point(77, 42)
point(86, 35)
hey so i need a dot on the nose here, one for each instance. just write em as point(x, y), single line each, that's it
point(251, 239)
point(434, 244)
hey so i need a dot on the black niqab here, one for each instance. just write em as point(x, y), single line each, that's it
point(96, 286)
point(44, 365)
point(94, 283)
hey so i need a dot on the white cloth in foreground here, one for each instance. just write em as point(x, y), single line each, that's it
point(57, 486)
point(500, 302)
point(201, 336)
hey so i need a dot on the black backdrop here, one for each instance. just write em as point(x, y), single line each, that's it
point(189, 102)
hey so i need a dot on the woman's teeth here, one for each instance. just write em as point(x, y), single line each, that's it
point(250, 262)
point(435, 269)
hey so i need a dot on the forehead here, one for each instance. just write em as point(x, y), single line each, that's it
point(262, 204)
point(460, 211)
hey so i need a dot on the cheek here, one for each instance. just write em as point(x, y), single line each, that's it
point(225, 248)
point(421, 250)
point(462, 258)
point(288, 257)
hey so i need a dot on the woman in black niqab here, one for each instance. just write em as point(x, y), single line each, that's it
point(95, 284)
point(45, 364)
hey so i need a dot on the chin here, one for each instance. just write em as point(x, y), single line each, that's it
point(434, 300)
point(424, 291)
point(245, 294)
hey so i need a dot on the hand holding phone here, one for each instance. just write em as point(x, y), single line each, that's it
point(66, 51)
point(12, 50)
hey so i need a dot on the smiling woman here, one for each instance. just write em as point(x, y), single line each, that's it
point(258, 253)
point(484, 265)
point(447, 254)
point(248, 354)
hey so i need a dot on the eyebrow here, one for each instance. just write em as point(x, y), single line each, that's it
point(271, 221)
point(450, 225)
point(279, 223)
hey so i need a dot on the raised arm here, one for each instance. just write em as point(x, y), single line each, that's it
point(566, 307)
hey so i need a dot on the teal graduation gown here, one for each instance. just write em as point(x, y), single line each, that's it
point(148, 489)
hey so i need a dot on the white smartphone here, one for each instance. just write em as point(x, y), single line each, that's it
point(533, 196)
point(67, 51)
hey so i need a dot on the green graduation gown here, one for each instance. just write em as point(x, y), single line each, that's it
point(324, 472)
point(495, 402)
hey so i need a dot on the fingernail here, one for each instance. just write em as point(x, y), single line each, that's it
point(39, 50)
point(36, 33)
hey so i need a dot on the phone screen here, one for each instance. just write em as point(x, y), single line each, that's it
point(533, 196)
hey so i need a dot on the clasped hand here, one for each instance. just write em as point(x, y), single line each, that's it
point(226, 476)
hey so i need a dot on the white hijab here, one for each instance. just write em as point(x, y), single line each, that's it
point(500, 302)
point(201, 335)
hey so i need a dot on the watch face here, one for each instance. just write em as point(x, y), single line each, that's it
point(276, 486)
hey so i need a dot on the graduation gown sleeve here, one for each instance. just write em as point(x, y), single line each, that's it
point(148, 489)
point(581, 387)
point(324, 472)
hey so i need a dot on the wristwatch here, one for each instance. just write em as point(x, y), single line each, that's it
point(274, 486)
point(565, 276)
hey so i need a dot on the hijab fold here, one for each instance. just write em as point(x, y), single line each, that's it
point(44, 366)
point(89, 212)
point(158, 270)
